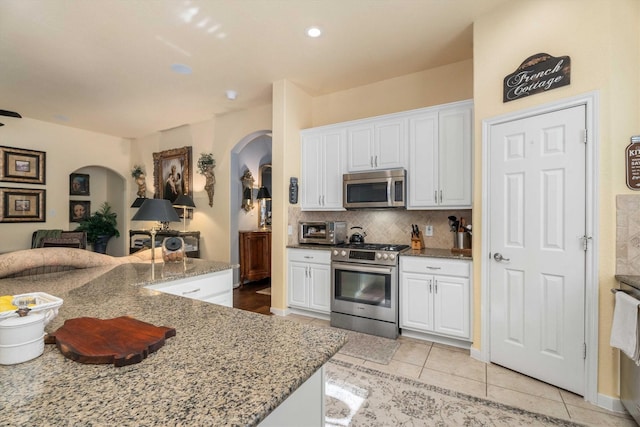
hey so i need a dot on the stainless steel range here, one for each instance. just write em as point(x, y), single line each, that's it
point(364, 288)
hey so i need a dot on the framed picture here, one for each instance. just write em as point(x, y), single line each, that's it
point(79, 210)
point(172, 174)
point(79, 184)
point(22, 205)
point(18, 165)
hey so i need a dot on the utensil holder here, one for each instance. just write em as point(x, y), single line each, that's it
point(417, 242)
point(461, 240)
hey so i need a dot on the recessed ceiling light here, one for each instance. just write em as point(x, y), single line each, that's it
point(232, 94)
point(181, 69)
point(314, 32)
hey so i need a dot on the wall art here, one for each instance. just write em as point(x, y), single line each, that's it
point(22, 205)
point(79, 184)
point(172, 175)
point(538, 73)
point(79, 210)
point(20, 165)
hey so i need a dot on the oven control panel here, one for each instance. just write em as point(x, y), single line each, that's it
point(366, 257)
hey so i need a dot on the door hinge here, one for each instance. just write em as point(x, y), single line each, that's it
point(584, 350)
point(585, 242)
point(585, 139)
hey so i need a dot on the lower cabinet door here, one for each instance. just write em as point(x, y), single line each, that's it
point(320, 287)
point(451, 306)
point(298, 289)
point(416, 302)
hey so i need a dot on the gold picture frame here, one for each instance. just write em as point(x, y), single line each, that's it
point(172, 175)
point(24, 166)
point(22, 205)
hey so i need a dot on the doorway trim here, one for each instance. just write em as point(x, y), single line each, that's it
point(591, 102)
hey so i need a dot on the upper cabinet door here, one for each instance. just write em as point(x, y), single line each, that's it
point(360, 147)
point(311, 184)
point(390, 144)
point(423, 161)
point(333, 168)
point(455, 166)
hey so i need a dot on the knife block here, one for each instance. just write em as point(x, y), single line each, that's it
point(417, 243)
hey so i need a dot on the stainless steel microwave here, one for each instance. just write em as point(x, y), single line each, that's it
point(376, 189)
point(322, 232)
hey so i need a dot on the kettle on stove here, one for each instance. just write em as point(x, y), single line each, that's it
point(357, 237)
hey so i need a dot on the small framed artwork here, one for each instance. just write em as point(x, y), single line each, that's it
point(172, 175)
point(79, 184)
point(79, 210)
point(22, 205)
point(19, 165)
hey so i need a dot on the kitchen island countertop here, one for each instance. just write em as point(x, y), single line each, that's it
point(224, 366)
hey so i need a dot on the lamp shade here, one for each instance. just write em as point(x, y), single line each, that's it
point(156, 210)
point(263, 193)
point(138, 202)
point(184, 201)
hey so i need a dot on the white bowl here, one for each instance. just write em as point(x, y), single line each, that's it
point(18, 353)
point(19, 330)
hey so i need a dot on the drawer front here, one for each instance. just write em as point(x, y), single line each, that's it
point(199, 287)
point(310, 255)
point(447, 267)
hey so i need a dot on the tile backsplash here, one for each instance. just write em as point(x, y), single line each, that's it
point(387, 225)
point(628, 234)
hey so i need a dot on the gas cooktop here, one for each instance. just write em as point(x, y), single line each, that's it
point(389, 247)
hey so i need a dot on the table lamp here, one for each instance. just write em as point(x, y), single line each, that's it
point(263, 196)
point(138, 202)
point(155, 210)
point(184, 201)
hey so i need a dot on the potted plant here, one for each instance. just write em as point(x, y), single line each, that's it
point(100, 227)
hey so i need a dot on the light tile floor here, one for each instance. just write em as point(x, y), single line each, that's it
point(453, 368)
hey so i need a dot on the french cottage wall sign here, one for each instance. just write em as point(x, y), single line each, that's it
point(538, 73)
point(633, 163)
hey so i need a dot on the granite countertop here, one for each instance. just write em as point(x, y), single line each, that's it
point(629, 280)
point(310, 246)
point(224, 366)
point(436, 253)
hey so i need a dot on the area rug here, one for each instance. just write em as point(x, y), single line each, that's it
point(266, 291)
point(369, 347)
point(357, 396)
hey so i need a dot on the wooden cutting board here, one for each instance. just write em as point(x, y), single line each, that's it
point(121, 341)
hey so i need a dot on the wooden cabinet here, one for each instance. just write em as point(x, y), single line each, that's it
point(141, 239)
point(216, 288)
point(435, 296)
point(322, 168)
point(309, 279)
point(255, 255)
point(378, 143)
point(440, 157)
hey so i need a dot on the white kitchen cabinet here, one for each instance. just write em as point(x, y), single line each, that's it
point(440, 163)
point(309, 279)
point(216, 288)
point(435, 296)
point(322, 168)
point(378, 143)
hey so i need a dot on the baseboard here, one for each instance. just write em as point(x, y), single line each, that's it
point(477, 354)
point(279, 311)
point(611, 403)
point(453, 342)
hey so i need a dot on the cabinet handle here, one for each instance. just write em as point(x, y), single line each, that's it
point(323, 200)
point(191, 292)
point(433, 268)
point(371, 160)
point(435, 196)
point(376, 161)
point(319, 200)
point(440, 196)
point(308, 257)
point(435, 286)
point(430, 286)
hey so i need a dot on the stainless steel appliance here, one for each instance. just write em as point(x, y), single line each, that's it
point(376, 189)
point(364, 288)
point(322, 232)
point(629, 371)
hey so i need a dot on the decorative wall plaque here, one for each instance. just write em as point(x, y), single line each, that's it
point(538, 73)
point(633, 163)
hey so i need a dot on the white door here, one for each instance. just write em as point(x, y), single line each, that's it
point(537, 223)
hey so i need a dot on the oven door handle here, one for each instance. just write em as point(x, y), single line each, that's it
point(363, 269)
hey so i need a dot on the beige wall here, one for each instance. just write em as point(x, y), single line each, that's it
point(601, 38)
point(67, 150)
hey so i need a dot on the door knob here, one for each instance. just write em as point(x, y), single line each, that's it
point(498, 257)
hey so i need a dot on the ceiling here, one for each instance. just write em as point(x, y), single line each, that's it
point(106, 65)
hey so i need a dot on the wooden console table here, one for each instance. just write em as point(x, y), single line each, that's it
point(255, 255)
point(141, 239)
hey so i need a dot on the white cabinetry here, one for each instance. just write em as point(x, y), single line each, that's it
point(322, 168)
point(440, 148)
point(215, 287)
point(309, 279)
point(378, 143)
point(435, 296)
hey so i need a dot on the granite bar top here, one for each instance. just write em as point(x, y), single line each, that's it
point(436, 253)
point(224, 367)
point(629, 280)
